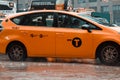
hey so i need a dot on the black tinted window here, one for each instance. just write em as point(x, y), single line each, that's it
point(69, 21)
point(18, 20)
point(36, 19)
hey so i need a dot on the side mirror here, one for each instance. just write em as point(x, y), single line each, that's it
point(86, 27)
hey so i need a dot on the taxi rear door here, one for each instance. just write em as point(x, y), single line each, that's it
point(38, 34)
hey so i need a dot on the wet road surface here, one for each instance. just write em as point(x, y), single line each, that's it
point(35, 70)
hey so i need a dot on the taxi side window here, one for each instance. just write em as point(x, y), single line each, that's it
point(69, 21)
point(17, 20)
point(33, 20)
point(92, 26)
point(64, 20)
point(36, 19)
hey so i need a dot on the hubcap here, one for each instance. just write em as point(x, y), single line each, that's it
point(110, 53)
point(16, 52)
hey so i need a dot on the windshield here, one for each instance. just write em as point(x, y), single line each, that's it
point(102, 21)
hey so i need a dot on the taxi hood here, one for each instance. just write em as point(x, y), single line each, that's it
point(115, 28)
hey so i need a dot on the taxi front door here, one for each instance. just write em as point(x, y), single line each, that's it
point(71, 40)
point(74, 43)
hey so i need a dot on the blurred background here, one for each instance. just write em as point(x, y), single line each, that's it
point(111, 7)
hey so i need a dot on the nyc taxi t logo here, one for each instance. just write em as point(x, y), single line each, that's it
point(76, 42)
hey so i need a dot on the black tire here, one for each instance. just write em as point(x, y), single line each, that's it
point(109, 54)
point(16, 52)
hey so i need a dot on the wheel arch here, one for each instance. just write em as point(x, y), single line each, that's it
point(17, 42)
point(105, 43)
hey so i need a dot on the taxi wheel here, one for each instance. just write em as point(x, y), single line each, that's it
point(109, 54)
point(16, 52)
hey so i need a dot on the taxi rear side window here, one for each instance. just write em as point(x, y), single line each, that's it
point(35, 19)
point(17, 20)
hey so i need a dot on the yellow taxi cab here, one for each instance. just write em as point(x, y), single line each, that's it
point(58, 34)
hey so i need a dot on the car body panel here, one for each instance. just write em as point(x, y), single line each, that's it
point(54, 41)
point(28, 36)
point(42, 41)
